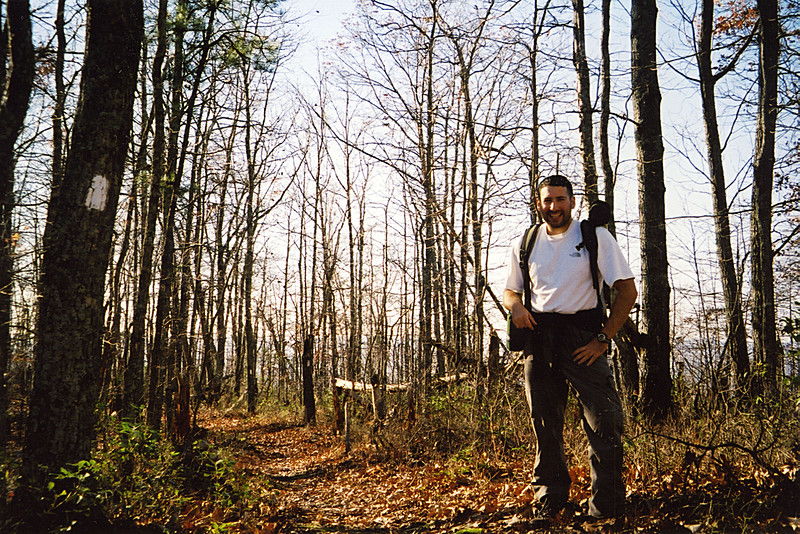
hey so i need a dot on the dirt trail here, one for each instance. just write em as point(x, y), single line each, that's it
point(320, 489)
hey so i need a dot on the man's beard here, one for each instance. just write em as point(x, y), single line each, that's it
point(557, 219)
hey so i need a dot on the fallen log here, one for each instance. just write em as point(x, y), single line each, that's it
point(361, 386)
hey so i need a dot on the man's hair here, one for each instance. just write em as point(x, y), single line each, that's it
point(556, 180)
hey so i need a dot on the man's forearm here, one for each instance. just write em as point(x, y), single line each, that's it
point(510, 298)
point(521, 317)
point(623, 303)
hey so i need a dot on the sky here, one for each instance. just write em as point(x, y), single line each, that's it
point(320, 22)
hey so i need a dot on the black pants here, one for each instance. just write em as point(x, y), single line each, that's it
point(549, 368)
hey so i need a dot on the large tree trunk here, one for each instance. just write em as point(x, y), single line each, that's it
point(737, 339)
point(657, 390)
point(77, 242)
point(17, 82)
point(767, 350)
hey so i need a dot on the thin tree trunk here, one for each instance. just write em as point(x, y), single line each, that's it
point(112, 346)
point(584, 103)
point(737, 337)
point(628, 359)
point(134, 395)
point(161, 352)
point(61, 97)
point(157, 352)
point(426, 130)
point(249, 257)
point(605, 113)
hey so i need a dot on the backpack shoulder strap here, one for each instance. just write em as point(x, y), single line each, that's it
point(528, 240)
point(589, 237)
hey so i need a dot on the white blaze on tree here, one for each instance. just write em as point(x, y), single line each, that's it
point(97, 197)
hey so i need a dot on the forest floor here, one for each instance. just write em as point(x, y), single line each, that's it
point(309, 484)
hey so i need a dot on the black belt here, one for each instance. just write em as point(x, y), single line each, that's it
point(589, 320)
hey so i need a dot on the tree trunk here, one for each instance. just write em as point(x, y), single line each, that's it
point(605, 113)
point(112, 344)
point(158, 356)
point(426, 131)
point(533, 172)
point(222, 255)
point(628, 358)
point(17, 85)
point(134, 395)
point(249, 255)
point(162, 352)
point(77, 242)
point(309, 406)
point(737, 338)
point(657, 389)
point(766, 348)
point(584, 103)
point(61, 96)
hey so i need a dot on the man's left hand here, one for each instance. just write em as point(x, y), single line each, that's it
point(588, 354)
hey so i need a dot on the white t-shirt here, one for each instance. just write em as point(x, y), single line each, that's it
point(561, 281)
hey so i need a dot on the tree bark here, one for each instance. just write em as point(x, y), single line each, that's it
point(77, 243)
point(657, 388)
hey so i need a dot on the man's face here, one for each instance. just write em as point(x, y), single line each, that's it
point(555, 204)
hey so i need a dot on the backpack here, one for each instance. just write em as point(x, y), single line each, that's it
point(599, 215)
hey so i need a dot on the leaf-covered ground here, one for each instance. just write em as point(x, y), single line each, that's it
point(309, 484)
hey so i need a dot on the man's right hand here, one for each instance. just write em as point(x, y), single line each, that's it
point(520, 315)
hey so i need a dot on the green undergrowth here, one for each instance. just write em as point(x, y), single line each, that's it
point(135, 478)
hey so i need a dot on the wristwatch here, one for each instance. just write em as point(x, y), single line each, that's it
point(602, 338)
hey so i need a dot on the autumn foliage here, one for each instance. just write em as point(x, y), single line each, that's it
point(739, 16)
